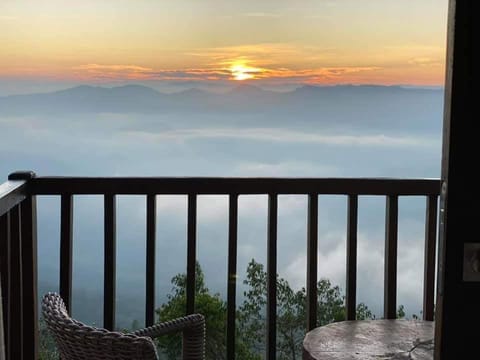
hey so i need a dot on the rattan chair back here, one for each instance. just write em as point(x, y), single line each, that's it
point(77, 341)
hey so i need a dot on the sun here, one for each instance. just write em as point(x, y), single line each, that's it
point(240, 71)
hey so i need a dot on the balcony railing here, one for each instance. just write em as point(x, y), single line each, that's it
point(18, 244)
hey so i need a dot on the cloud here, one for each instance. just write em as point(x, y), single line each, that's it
point(284, 168)
point(120, 68)
point(410, 265)
point(251, 51)
point(278, 62)
point(260, 74)
point(216, 64)
point(331, 266)
point(111, 72)
point(210, 208)
point(135, 72)
point(424, 61)
point(315, 76)
point(272, 60)
point(282, 135)
point(370, 271)
point(190, 75)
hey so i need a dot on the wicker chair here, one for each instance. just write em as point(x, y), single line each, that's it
point(77, 341)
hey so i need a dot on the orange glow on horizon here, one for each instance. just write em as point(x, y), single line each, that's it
point(321, 42)
point(268, 64)
point(409, 73)
point(240, 71)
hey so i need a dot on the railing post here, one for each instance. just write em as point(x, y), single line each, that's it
point(391, 239)
point(29, 277)
point(5, 265)
point(429, 256)
point(312, 261)
point(66, 249)
point(232, 274)
point(191, 252)
point(151, 231)
point(23, 283)
point(352, 225)
point(271, 353)
point(110, 254)
point(15, 301)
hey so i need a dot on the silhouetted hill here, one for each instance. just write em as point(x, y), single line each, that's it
point(247, 89)
point(84, 98)
point(347, 104)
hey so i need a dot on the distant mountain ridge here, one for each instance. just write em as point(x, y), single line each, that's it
point(244, 97)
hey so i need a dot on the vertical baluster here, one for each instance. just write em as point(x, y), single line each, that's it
point(109, 285)
point(29, 277)
point(391, 237)
point(66, 249)
point(272, 277)
point(150, 260)
point(429, 264)
point(5, 276)
point(16, 297)
point(232, 274)
point(351, 292)
point(191, 251)
point(312, 261)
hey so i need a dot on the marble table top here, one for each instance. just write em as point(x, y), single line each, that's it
point(371, 339)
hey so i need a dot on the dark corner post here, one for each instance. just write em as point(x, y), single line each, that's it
point(458, 285)
point(22, 175)
point(431, 216)
point(25, 253)
point(5, 269)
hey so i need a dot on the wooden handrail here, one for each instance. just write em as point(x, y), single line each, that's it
point(218, 186)
point(12, 193)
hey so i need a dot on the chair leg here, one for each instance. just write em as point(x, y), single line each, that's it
point(194, 342)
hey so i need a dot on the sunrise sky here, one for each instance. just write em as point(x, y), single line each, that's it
point(269, 41)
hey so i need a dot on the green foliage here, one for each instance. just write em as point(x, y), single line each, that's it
point(251, 315)
point(331, 306)
point(47, 348)
point(402, 315)
point(291, 312)
point(212, 306)
point(363, 312)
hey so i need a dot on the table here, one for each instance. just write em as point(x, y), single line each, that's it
point(371, 339)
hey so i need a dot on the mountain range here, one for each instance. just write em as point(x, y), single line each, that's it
point(243, 98)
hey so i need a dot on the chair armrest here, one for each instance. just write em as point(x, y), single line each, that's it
point(193, 322)
point(193, 328)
